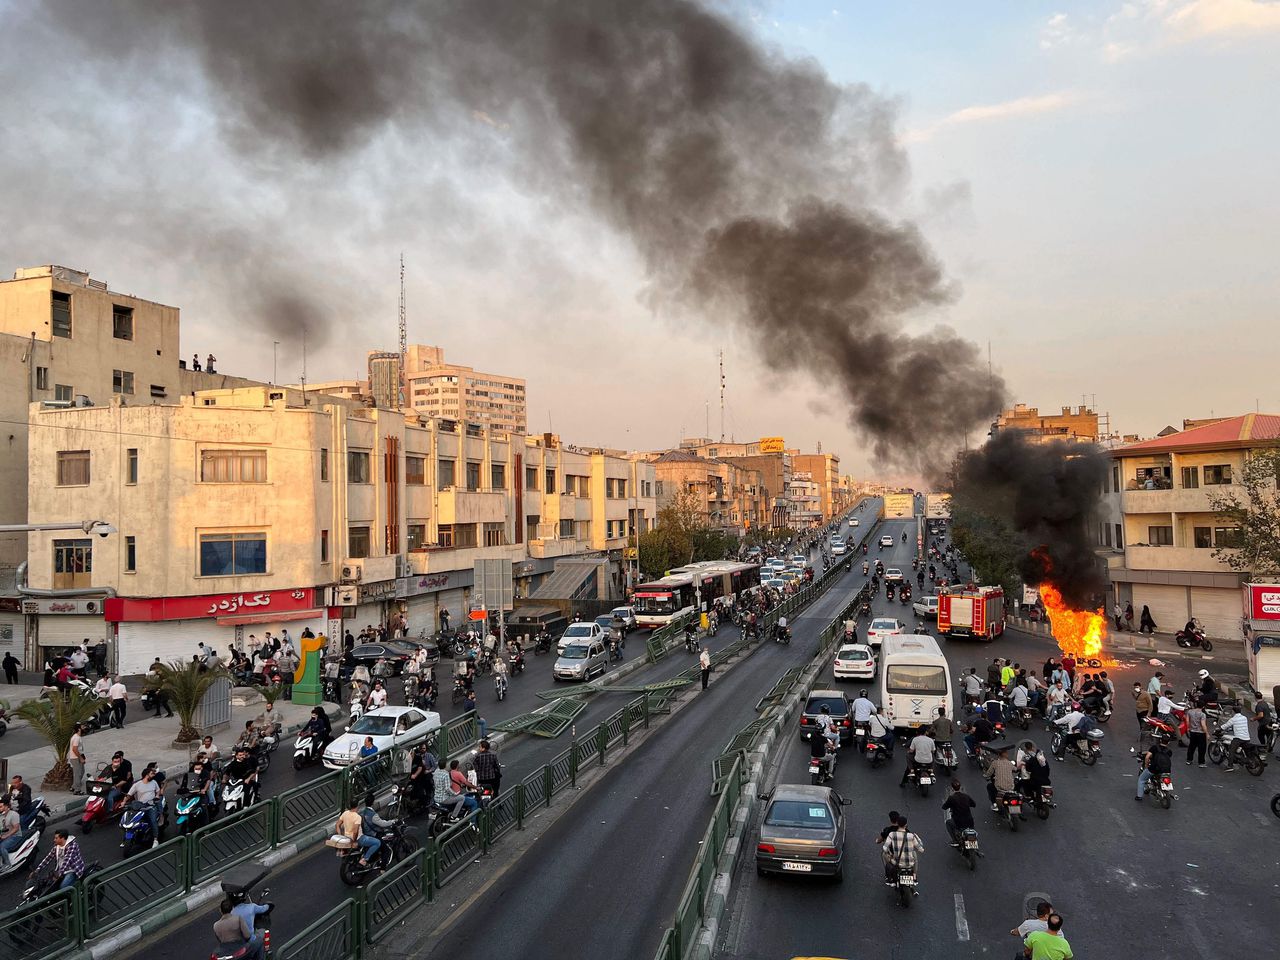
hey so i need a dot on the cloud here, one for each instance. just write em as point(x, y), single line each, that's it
point(1007, 110)
point(1149, 25)
point(1058, 31)
point(1218, 18)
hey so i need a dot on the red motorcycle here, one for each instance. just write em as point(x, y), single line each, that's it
point(95, 808)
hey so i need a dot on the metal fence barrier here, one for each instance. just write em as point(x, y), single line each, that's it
point(397, 893)
point(300, 809)
point(335, 936)
point(133, 887)
point(231, 840)
point(43, 929)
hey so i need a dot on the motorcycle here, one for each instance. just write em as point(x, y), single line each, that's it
point(500, 685)
point(1255, 760)
point(357, 708)
point(1041, 799)
point(95, 807)
point(1022, 716)
point(904, 596)
point(307, 749)
point(946, 756)
point(238, 794)
point(541, 643)
point(26, 852)
point(1009, 809)
point(967, 847)
point(1193, 638)
point(1087, 749)
point(888, 592)
point(904, 882)
point(865, 608)
point(515, 663)
point(781, 634)
point(822, 769)
point(191, 809)
point(864, 549)
point(877, 754)
point(690, 641)
point(922, 776)
point(397, 844)
point(136, 828)
point(1160, 785)
point(236, 885)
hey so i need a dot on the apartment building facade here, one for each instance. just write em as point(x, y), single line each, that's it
point(436, 388)
point(1158, 530)
point(1079, 424)
point(261, 508)
point(728, 497)
point(767, 456)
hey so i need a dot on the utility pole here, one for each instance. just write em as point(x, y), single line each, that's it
point(275, 376)
point(404, 338)
point(722, 396)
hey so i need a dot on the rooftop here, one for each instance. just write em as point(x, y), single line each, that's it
point(1246, 430)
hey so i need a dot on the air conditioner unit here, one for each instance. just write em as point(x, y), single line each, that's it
point(352, 571)
point(345, 596)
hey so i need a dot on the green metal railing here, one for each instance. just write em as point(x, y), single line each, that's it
point(133, 887)
point(335, 936)
point(43, 929)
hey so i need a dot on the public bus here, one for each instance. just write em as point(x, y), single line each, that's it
point(915, 680)
point(659, 602)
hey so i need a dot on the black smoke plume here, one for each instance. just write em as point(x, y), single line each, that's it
point(747, 181)
point(1039, 503)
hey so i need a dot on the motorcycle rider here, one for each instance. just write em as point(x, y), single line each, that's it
point(880, 731)
point(148, 795)
point(979, 730)
point(1208, 687)
point(958, 816)
point(422, 768)
point(243, 767)
point(370, 824)
point(920, 755)
point(1075, 724)
point(234, 933)
point(863, 708)
point(901, 851)
point(487, 767)
point(1238, 725)
point(1000, 778)
point(822, 747)
point(943, 729)
point(120, 772)
point(972, 684)
point(1156, 761)
point(66, 857)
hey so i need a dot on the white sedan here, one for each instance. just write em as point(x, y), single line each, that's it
point(882, 627)
point(580, 632)
point(853, 521)
point(838, 548)
point(893, 575)
point(855, 661)
point(388, 726)
point(886, 541)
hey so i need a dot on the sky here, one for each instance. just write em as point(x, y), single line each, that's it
point(1097, 179)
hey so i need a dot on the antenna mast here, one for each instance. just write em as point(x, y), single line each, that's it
point(404, 338)
point(722, 396)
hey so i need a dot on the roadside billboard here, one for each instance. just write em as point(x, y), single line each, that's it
point(899, 505)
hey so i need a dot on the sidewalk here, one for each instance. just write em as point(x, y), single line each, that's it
point(145, 740)
point(1156, 645)
point(15, 695)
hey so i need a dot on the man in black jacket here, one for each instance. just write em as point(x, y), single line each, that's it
point(488, 769)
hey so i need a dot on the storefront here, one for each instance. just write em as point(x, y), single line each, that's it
point(1261, 602)
point(375, 602)
point(171, 628)
point(421, 598)
point(13, 629)
point(59, 624)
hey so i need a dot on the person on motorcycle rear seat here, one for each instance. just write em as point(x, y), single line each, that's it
point(1000, 778)
point(120, 773)
point(319, 727)
point(371, 823)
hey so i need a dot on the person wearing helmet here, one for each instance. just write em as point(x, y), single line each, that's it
point(863, 708)
point(1208, 687)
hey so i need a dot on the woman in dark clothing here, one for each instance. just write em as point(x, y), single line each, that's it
point(1146, 624)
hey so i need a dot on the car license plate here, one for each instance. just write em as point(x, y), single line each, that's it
point(971, 844)
point(797, 867)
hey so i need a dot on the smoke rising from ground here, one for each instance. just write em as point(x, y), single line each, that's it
point(1045, 496)
point(747, 181)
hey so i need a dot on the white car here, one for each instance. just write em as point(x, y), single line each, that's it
point(580, 632)
point(626, 614)
point(387, 725)
point(853, 521)
point(882, 627)
point(799, 560)
point(838, 549)
point(774, 583)
point(926, 607)
point(892, 575)
point(886, 541)
point(855, 661)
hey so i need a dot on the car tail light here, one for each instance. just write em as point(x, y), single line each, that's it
point(844, 722)
point(805, 721)
point(839, 663)
point(827, 852)
point(869, 663)
point(765, 848)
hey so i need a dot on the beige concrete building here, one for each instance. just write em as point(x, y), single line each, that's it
point(1080, 424)
point(384, 379)
point(440, 389)
point(824, 469)
point(729, 497)
point(1158, 531)
point(804, 502)
point(262, 508)
point(767, 456)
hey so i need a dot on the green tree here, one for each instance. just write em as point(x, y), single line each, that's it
point(55, 720)
point(185, 682)
point(1252, 509)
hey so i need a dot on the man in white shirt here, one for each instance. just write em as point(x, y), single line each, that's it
point(78, 660)
point(919, 755)
point(75, 756)
point(119, 697)
point(377, 696)
point(879, 731)
point(862, 708)
point(1238, 727)
point(1019, 696)
point(1056, 697)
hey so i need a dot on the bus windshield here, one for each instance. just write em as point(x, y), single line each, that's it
point(661, 604)
point(916, 678)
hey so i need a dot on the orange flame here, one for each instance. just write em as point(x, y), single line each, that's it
point(1078, 632)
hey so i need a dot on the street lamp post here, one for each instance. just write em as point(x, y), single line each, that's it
point(100, 527)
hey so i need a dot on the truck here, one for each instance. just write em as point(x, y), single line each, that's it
point(971, 613)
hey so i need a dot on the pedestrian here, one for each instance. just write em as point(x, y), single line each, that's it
point(1155, 684)
point(444, 620)
point(11, 665)
point(1146, 623)
point(704, 662)
point(1128, 615)
point(1197, 732)
point(1117, 614)
point(75, 756)
point(119, 697)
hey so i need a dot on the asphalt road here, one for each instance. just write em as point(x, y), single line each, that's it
point(604, 880)
point(1192, 879)
point(316, 872)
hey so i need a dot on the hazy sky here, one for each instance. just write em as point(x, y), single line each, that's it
point(1099, 180)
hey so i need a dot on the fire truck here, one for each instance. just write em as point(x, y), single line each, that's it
point(971, 613)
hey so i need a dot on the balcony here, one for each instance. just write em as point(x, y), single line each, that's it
point(1187, 559)
point(471, 506)
point(545, 549)
point(1177, 499)
point(446, 559)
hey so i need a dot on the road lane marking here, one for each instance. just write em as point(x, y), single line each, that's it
point(962, 925)
point(1124, 827)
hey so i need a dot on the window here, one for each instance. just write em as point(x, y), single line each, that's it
point(566, 529)
point(73, 468)
point(473, 475)
point(658, 486)
point(130, 555)
point(444, 474)
point(324, 464)
point(1190, 478)
point(131, 466)
point(1119, 536)
point(1160, 536)
point(121, 381)
point(233, 466)
point(1217, 475)
point(497, 476)
point(531, 478)
point(1202, 537)
point(357, 542)
point(357, 466)
point(1226, 536)
point(550, 486)
point(531, 526)
point(62, 392)
point(122, 322)
point(1115, 478)
point(445, 535)
point(1106, 534)
point(42, 378)
point(61, 314)
point(495, 534)
point(72, 563)
point(464, 534)
point(324, 546)
point(158, 391)
point(417, 536)
point(232, 554)
point(415, 471)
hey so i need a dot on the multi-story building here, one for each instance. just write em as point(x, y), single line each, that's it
point(767, 456)
point(824, 469)
point(1159, 531)
point(727, 496)
point(384, 379)
point(439, 389)
point(263, 508)
point(804, 502)
point(1080, 424)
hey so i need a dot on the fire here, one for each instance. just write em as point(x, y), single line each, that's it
point(1078, 632)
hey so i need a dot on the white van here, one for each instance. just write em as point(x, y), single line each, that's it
point(914, 681)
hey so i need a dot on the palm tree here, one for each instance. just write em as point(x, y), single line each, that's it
point(55, 719)
point(270, 692)
point(185, 683)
